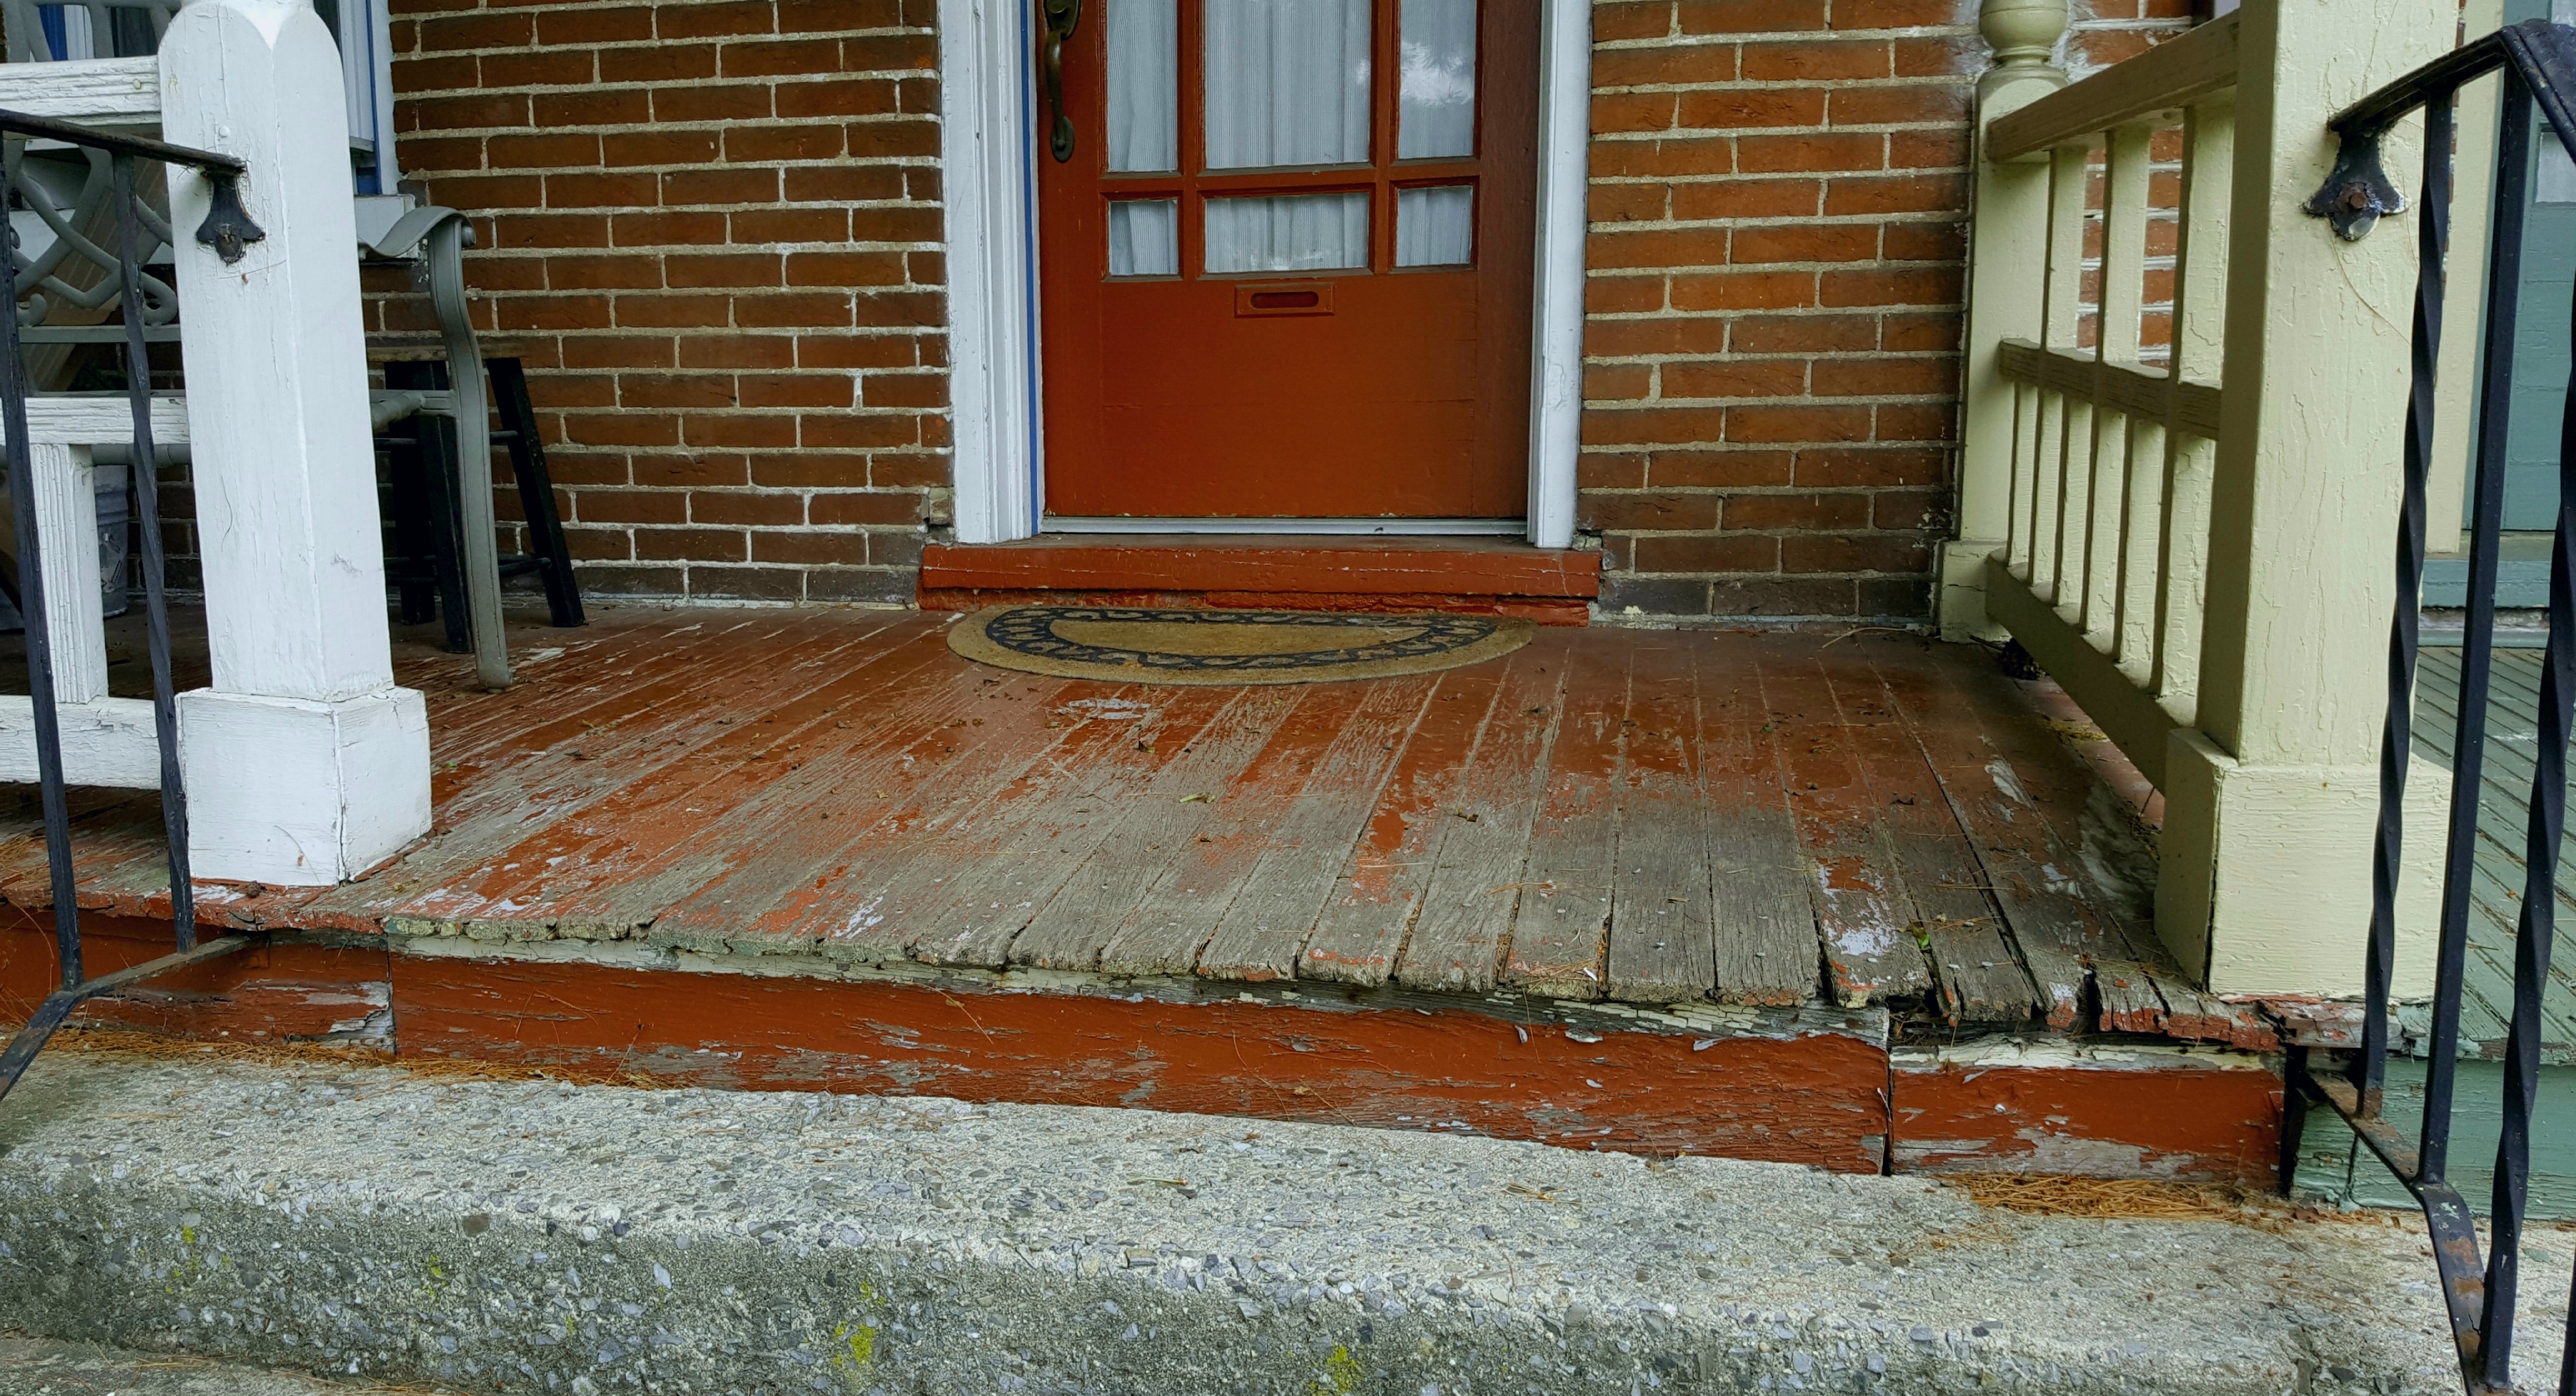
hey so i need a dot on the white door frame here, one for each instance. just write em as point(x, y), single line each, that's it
point(987, 86)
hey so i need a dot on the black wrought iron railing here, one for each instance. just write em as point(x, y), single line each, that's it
point(227, 228)
point(2538, 66)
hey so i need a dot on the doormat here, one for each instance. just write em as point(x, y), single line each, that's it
point(1136, 644)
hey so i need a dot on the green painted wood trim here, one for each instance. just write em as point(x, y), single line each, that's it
point(2333, 1167)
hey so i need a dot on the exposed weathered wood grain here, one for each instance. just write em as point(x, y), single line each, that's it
point(1203, 870)
point(1662, 932)
point(873, 816)
point(1106, 882)
point(1766, 946)
point(819, 844)
point(918, 829)
point(1477, 870)
point(1562, 925)
point(1001, 863)
point(2019, 795)
point(593, 673)
point(1863, 915)
point(626, 864)
point(1267, 919)
point(563, 766)
point(1372, 904)
point(1980, 979)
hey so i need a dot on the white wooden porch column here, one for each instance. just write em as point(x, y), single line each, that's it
point(2271, 803)
point(304, 763)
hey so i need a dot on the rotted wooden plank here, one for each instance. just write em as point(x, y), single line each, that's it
point(1477, 873)
point(2020, 795)
point(1103, 883)
point(1562, 926)
point(2200, 1017)
point(1980, 979)
point(1863, 914)
point(1371, 904)
point(1765, 943)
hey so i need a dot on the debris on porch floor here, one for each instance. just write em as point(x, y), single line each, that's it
point(1834, 899)
point(527, 1235)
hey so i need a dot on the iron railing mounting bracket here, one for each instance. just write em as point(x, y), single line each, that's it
point(2357, 192)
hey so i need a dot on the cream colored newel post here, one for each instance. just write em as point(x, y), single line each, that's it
point(304, 763)
point(2271, 803)
point(2008, 235)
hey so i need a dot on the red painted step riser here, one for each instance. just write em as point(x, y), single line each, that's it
point(1822, 1099)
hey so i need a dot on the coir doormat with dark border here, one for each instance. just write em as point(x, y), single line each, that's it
point(1136, 644)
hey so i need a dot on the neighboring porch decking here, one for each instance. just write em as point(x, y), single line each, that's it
point(2504, 807)
point(1646, 816)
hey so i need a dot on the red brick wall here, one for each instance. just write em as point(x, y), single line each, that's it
point(1779, 189)
point(712, 229)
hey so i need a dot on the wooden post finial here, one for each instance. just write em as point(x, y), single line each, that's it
point(2024, 35)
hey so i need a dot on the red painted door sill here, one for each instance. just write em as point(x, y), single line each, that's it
point(1493, 575)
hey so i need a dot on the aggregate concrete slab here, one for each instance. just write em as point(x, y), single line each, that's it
point(368, 1222)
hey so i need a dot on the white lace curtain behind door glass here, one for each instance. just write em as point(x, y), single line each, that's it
point(1288, 87)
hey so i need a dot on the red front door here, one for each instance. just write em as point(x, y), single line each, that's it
point(1286, 269)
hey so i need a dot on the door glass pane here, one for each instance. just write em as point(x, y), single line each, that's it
point(1144, 85)
point(1435, 227)
point(1296, 232)
point(1287, 83)
point(1438, 119)
point(1144, 238)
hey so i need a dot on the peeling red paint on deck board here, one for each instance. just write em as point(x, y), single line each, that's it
point(1361, 928)
point(1813, 1099)
point(700, 779)
point(2168, 1119)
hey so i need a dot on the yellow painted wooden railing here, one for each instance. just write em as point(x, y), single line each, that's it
point(2187, 521)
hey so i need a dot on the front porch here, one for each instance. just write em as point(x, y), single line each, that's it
point(1836, 898)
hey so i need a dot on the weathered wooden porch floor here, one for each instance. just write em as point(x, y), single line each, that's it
point(1646, 816)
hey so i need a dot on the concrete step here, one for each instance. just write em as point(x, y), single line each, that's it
point(372, 1223)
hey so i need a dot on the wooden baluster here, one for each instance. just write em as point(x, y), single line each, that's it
point(2124, 265)
point(2199, 329)
point(2062, 311)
